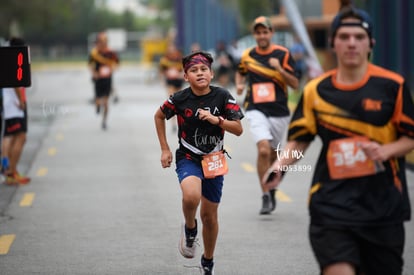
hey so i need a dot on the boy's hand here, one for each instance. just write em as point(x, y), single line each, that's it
point(206, 115)
point(166, 158)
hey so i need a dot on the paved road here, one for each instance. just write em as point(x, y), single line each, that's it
point(100, 203)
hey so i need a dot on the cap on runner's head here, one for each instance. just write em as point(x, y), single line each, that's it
point(262, 21)
point(351, 12)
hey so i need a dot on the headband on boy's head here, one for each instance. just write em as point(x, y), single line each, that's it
point(196, 58)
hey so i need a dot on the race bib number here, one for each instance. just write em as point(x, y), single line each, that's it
point(214, 164)
point(105, 71)
point(264, 92)
point(346, 159)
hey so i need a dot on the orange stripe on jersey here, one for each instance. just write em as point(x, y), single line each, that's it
point(313, 190)
point(395, 169)
point(381, 134)
point(285, 63)
point(374, 70)
point(260, 69)
point(294, 136)
point(338, 119)
point(308, 120)
point(399, 115)
point(339, 130)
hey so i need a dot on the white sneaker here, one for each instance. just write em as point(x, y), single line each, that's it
point(187, 244)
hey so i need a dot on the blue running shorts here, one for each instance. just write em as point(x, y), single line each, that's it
point(211, 189)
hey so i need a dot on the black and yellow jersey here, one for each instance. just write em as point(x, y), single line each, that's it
point(171, 64)
point(262, 78)
point(380, 108)
point(171, 61)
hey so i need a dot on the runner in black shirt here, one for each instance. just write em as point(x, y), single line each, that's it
point(204, 113)
point(265, 71)
point(364, 116)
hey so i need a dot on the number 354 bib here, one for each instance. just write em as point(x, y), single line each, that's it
point(346, 159)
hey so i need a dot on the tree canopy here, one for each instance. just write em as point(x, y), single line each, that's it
point(50, 22)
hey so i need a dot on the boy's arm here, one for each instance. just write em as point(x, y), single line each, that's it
point(231, 126)
point(166, 154)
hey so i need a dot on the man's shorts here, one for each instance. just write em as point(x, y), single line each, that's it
point(267, 128)
point(177, 83)
point(15, 125)
point(103, 87)
point(372, 250)
point(211, 189)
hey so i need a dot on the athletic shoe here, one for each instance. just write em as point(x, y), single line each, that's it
point(273, 198)
point(207, 267)
point(12, 179)
point(22, 179)
point(104, 125)
point(266, 204)
point(188, 242)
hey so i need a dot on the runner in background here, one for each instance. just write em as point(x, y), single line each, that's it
point(268, 70)
point(102, 63)
point(15, 128)
point(171, 70)
point(364, 115)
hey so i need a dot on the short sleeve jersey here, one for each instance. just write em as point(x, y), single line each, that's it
point(380, 108)
point(168, 61)
point(99, 59)
point(198, 137)
point(254, 64)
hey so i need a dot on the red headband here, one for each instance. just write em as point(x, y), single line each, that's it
point(197, 59)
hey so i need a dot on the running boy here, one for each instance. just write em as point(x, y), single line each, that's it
point(204, 114)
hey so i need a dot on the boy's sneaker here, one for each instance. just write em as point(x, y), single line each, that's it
point(188, 241)
point(207, 266)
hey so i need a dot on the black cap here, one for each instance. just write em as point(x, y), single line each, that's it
point(351, 12)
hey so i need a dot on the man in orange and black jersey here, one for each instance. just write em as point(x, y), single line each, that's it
point(102, 63)
point(172, 72)
point(364, 116)
point(268, 69)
